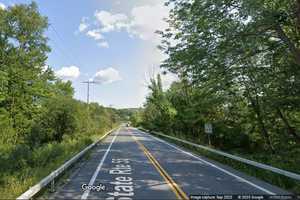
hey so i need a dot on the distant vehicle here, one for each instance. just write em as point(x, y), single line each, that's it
point(127, 125)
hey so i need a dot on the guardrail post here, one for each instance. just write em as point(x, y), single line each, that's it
point(52, 186)
point(29, 194)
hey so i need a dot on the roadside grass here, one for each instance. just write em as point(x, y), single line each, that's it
point(64, 178)
point(288, 162)
point(43, 161)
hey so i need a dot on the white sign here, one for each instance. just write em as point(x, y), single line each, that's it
point(208, 128)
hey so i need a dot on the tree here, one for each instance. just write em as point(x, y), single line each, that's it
point(23, 49)
point(158, 103)
point(244, 49)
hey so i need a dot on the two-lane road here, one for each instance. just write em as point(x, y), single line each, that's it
point(130, 164)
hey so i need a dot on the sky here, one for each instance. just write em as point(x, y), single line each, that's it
point(111, 42)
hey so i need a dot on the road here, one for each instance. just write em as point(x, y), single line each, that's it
point(131, 164)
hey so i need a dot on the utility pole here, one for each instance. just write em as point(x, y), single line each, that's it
point(88, 89)
point(90, 81)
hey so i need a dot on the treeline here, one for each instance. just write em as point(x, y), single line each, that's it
point(239, 68)
point(41, 124)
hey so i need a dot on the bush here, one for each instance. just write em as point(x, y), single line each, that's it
point(20, 157)
point(47, 153)
point(57, 120)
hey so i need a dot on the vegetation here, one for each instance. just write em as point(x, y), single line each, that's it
point(41, 124)
point(238, 64)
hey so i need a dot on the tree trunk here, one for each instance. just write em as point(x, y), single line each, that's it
point(264, 131)
point(291, 130)
point(292, 47)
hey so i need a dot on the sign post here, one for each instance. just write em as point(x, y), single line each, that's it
point(209, 131)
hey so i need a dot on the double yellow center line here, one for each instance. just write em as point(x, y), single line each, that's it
point(175, 188)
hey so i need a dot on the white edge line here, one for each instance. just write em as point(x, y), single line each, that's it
point(215, 166)
point(86, 193)
point(36, 188)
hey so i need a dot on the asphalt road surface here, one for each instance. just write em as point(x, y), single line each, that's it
point(131, 164)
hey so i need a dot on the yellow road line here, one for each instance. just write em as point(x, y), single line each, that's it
point(173, 185)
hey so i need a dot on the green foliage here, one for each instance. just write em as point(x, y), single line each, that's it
point(57, 120)
point(23, 49)
point(41, 162)
point(160, 110)
point(41, 124)
point(238, 64)
point(136, 119)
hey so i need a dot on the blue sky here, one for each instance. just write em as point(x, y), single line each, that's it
point(110, 41)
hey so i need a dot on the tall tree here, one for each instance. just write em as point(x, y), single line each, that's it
point(246, 48)
point(23, 51)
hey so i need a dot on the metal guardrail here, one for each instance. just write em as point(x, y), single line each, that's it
point(240, 159)
point(50, 178)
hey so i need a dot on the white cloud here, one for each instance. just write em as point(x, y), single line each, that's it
point(95, 34)
point(111, 22)
point(2, 6)
point(108, 75)
point(139, 19)
point(68, 73)
point(148, 19)
point(83, 25)
point(117, 3)
point(143, 22)
point(103, 44)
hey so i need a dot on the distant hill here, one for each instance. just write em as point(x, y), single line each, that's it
point(126, 113)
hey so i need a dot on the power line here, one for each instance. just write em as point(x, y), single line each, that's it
point(69, 52)
point(66, 53)
point(88, 89)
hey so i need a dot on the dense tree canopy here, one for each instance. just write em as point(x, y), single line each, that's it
point(238, 63)
point(239, 68)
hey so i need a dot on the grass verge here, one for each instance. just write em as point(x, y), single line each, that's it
point(42, 162)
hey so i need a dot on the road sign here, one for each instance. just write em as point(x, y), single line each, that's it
point(208, 128)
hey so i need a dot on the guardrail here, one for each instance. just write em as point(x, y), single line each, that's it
point(237, 158)
point(50, 178)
